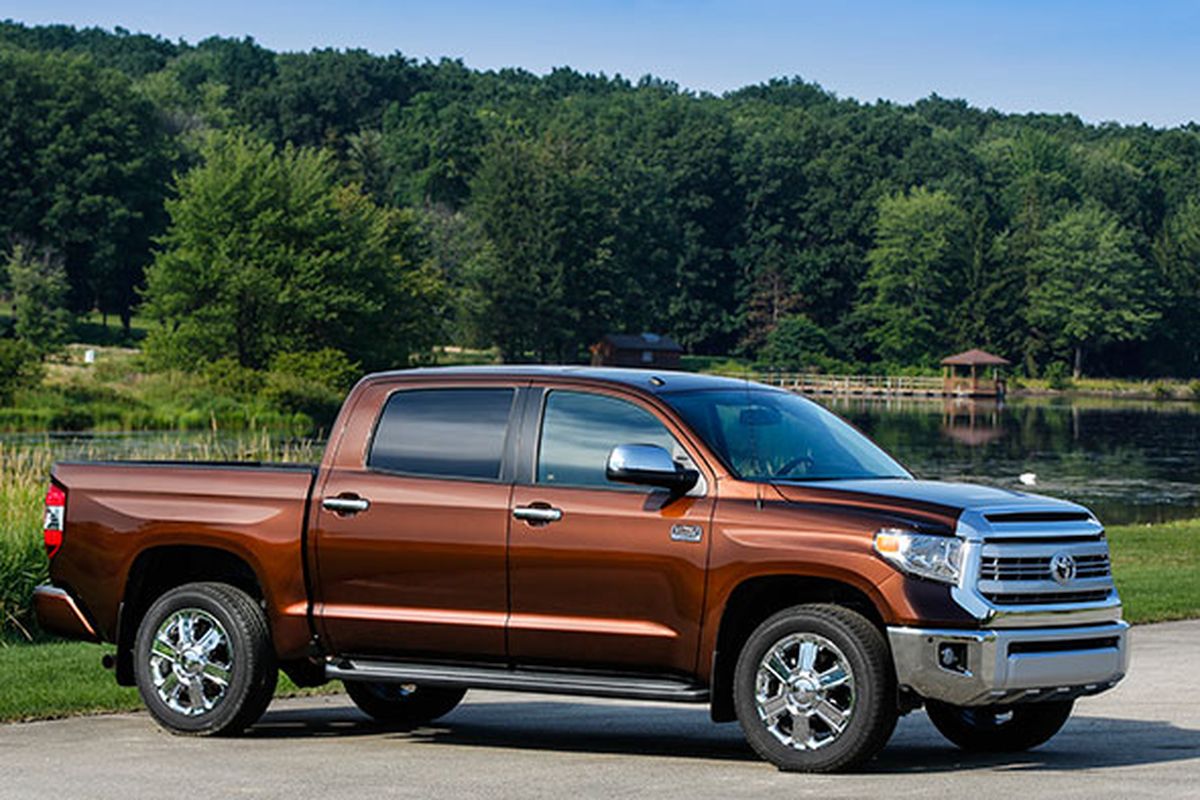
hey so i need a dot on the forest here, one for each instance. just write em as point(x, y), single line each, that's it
point(361, 209)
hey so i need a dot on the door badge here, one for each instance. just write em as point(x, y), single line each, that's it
point(687, 533)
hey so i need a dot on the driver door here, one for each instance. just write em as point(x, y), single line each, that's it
point(603, 575)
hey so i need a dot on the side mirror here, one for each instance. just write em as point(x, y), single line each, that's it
point(649, 465)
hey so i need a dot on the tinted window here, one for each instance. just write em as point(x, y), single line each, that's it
point(579, 431)
point(456, 433)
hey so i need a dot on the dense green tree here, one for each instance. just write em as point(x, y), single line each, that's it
point(83, 170)
point(267, 254)
point(1089, 286)
point(917, 275)
point(37, 280)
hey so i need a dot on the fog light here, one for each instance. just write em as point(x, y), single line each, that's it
point(952, 656)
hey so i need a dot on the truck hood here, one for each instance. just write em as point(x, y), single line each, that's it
point(935, 502)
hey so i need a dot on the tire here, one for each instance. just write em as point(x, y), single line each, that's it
point(999, 729)
point(203, 660)
point(842, 696)
point(403, 704)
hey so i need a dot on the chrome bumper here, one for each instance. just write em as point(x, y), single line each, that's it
point(965, 667)
point(57, 612)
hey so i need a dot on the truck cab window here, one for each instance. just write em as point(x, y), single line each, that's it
point(446, 433)
point(579, 430)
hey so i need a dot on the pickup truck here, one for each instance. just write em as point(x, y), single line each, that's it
point(620, 533)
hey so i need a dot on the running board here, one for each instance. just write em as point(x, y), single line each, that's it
point(520, 680)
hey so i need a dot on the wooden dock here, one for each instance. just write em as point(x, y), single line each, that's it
point(854, 385)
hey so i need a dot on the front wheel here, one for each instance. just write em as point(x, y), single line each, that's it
point(203, 660)
point(999, 729)
point(814, 689)
point(403, 704)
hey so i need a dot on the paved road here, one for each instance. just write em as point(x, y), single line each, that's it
point(1140, 740)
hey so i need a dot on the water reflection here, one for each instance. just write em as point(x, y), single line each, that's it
point(1130, 461)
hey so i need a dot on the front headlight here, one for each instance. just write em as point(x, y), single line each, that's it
point(938, 558)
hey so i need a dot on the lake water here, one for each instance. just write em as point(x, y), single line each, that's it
point(1129, 461)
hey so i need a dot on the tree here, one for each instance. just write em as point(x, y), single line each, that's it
point(82, 169)
point(1089, 286)
point(921, 255)
point(267, 254)
point(797, 343)
point(38, 282)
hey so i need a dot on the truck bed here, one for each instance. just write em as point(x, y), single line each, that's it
point(121, 514)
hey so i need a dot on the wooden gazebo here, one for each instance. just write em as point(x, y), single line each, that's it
point(965, 374)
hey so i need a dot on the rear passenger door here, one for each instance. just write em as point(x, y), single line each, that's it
point(420, 569)
point(617, 580)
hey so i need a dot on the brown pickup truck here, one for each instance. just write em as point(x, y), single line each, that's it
point(620, 533)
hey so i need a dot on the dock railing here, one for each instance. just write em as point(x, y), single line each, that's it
point(821, 383)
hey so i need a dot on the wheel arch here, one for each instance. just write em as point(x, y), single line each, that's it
point(754, 600)
point(156, 570)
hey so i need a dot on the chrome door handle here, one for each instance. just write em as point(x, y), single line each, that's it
point(345, 505)
point(538, 514)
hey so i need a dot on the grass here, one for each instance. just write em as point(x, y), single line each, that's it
point(1157, 569)
point(59, 679)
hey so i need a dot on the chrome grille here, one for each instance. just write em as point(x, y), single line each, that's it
point(1019, 573)
point(1037, 568)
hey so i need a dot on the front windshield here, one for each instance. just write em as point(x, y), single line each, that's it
point(768, 435)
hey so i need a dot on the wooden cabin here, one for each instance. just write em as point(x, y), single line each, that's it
point(973, 373)
point(647, 350)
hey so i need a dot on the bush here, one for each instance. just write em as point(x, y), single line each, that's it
point(1058, 376)
point(227, 377)
point(327, 367)
point(20, 368)
point(1194, 388)
point(1162, 391)
point(798, 343)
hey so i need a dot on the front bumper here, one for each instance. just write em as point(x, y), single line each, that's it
point(1009, 665)
point(57, 612)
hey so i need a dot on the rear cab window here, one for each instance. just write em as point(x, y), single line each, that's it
point(444, 433)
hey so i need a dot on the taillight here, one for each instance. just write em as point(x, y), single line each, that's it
point(52, 529)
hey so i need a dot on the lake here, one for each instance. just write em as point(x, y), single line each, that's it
point(1130, 461)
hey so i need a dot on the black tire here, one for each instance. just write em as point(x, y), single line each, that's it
point(402, 704)
point(246, 658)
point(855, 646)
point(999, 729)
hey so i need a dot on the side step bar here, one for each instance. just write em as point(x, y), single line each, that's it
point(520, 680)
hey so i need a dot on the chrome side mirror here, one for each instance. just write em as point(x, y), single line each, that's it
point(649, 465)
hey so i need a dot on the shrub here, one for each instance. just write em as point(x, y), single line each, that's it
point(1194, 388)
point(1162, 391)
point(1058, 376)
point(798, 343)
point(326, 367)
point(20, 368)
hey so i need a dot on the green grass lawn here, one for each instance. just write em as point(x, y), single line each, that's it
point(58, 679)
point(1157, 570)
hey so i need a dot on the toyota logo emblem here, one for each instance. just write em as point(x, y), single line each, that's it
point(1062, 568)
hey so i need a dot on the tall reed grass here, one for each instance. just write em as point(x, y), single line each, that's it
point(25, 473)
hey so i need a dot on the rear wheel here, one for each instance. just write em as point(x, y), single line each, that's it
point(999, 729)
point(403, 704)
point(814, 689)
point(203, 660)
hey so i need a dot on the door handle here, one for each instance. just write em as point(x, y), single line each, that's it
point(538, 515)
point(345, 505)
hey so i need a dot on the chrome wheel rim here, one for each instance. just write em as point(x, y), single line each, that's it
point(191, 662)
point(804, 691)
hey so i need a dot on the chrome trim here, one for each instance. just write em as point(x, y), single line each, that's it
point(1075, 537)
point(538, 514)
point(993, 674)
point(528, 680)
point(345, 505)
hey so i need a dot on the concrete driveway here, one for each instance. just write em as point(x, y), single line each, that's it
point(1140, 740)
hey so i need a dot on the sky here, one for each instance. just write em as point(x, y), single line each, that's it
point(1130, 61)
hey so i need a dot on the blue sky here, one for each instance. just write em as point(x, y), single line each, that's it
point(1133, 61)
